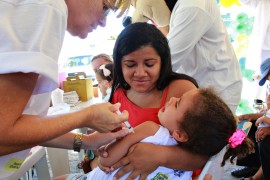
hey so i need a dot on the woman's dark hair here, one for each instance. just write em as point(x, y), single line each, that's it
point(209, 125)
point(136, 36)
point(171, 4)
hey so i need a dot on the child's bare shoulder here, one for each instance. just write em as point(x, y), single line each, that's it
point(149, 126)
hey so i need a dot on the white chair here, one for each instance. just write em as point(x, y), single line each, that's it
point(59, 161)
point(213, 166)
point(37, 158)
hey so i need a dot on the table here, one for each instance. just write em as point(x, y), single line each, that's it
point(58, 158)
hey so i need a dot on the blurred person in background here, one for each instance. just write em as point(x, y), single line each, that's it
point(99, 60)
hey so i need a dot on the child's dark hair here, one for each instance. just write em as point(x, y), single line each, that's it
point(109, 67)
point(209, 125)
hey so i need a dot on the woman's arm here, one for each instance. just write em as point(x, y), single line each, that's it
point(120, 148)
point(250, 117)
point(20, 131)
point(178, 87)
point(93, 141)
point(144, 158)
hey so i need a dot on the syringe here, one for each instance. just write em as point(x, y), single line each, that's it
point(130, 128)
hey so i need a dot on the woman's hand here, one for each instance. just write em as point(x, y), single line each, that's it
point(140, 161)
point(261, 133)
point(102, 152)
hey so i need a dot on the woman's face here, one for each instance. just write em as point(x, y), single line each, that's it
point(84, 16)
point(141, 69)
point(172, 113)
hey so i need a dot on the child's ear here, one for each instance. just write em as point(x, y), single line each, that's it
point(106, 84)
point(180, 136)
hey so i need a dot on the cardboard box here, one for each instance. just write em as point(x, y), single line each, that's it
point(82, 85)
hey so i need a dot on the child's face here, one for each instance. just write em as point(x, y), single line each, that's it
point(172, 113)
point(102, 84)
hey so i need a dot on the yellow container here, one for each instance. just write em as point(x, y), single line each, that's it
point(82, 85)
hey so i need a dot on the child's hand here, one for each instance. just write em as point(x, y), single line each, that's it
point(259, 120)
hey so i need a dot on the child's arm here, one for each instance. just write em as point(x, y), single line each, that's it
point(120, 148)
point(263, 119)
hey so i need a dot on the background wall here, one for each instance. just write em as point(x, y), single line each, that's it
point(239, 21)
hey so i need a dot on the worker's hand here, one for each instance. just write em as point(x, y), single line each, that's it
point(96, 139)
point(102, 117)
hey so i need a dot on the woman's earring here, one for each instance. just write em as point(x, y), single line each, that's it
point(125, 85)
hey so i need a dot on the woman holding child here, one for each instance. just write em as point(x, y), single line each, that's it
point(143, 84)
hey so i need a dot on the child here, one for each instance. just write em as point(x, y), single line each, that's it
point(198, 121)
point(104, 77)
point(264, 121)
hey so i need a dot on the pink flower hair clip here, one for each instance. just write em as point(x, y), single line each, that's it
point(106, 71)
point(237, 138)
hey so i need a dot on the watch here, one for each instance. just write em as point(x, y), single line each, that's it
point(77, 144)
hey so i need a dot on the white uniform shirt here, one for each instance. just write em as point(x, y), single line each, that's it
point(31, 36)
point(144, 11)
point(201, 48)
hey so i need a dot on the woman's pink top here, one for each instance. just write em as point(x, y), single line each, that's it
point(137, 115)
